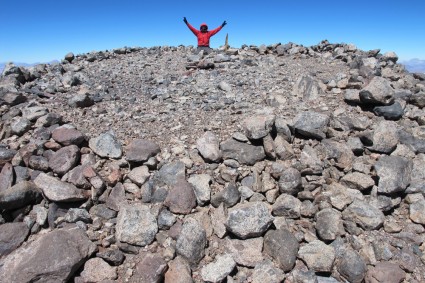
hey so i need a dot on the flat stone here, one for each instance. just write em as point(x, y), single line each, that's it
point(417, 212)
point(266, 272)
point(136, 225)
point(258, 126)
point(178, 271)
point(246, 252)
point(209, 147)
point(106, 145)
point(377, 92)
point(365, 215)
point(288, 206)
point(20, 126)
point(385, 272)
point(394, 173)
point(391, 112)
point(358, 181)
point(219, 269)
point(97, 270)
point(249, 220)
point(141, 150)
point(311, 124)
point(242, 152)
point(12, 235)
point(51, 257)
point(139, 175)
point(58, 191)
point(192, 241)
point(283, 247)
point(66, 135)
point(64, 159)
point(20, 195)
point(151, 268)
point(201, 187)
point(318, 256)
point(32, 113)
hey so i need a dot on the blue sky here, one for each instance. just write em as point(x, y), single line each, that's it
point(45, 30)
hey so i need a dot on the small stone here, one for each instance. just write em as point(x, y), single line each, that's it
point(106, 145)
point(249, 220)
point(97, 270)
point(219, 269)
point(318, 256)
point(192, 241)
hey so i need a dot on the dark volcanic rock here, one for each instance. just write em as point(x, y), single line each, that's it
point(283, 247)
point(242, 152)
point(181, 198)
point(19, 195)
point(52, 257)
point(311, 124)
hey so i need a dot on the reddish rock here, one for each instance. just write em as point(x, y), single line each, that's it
point(6, 177)
point(181, 198)
point(67, 136)
point(141, 150)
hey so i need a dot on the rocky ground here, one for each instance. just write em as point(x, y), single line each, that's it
point(278, 163)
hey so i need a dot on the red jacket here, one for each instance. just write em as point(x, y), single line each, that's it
point(203, 38)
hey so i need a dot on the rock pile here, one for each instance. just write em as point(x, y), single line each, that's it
point(259, 164)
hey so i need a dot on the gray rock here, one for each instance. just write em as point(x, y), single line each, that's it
point(358, 181)
point(266, 272)
point(258, 126)
point(307, 88)
point(390, 112)
point(13, 98)
point(171, 173)
point(80, 100)
point(352, 95)
point(385, 137)
point(209, 147)
point(139, 175)
point(191, 241)
point(178, 272)
point(66, 135)
point(311, 124)
point(418, 99)
point(70, 57)
point(106, 145)
point(19, 195)
point(97, 270)
point(32, 113)
point(141, 150)
point(6, 156)
point(340, 152)
point(201, 187)
point(113, 256)
point(318, 256)
point(242, 152)
point(394, 174)
point(230, 196)
point(290, 181)
point(417, 212)
point(77, 214)
point(218, 218)
point(166, 219)
point(7, 177)
point(363, 214)
point(288, 206)
point(58, 191)
point(136, 225)
point(102, 211)
point(377, 92)
point(151, 268)
point(219, 269)
point(246, 252)
point(282, 148)
point(387, 272)
point(329, 224)
point(39, 163)
point(283, 247)
point(181, 198)
point(20, 126)
point(415, 143)
point(64, 159)
point(51, 257)
point(12, 235)
point(224, 86)
point(249, 220)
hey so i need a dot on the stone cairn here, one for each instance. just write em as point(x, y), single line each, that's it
point(317, 177)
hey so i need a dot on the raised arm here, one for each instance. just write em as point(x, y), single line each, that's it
point(214, 31)
point(194, 30)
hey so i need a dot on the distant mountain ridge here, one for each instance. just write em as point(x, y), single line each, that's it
point(414, 65)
